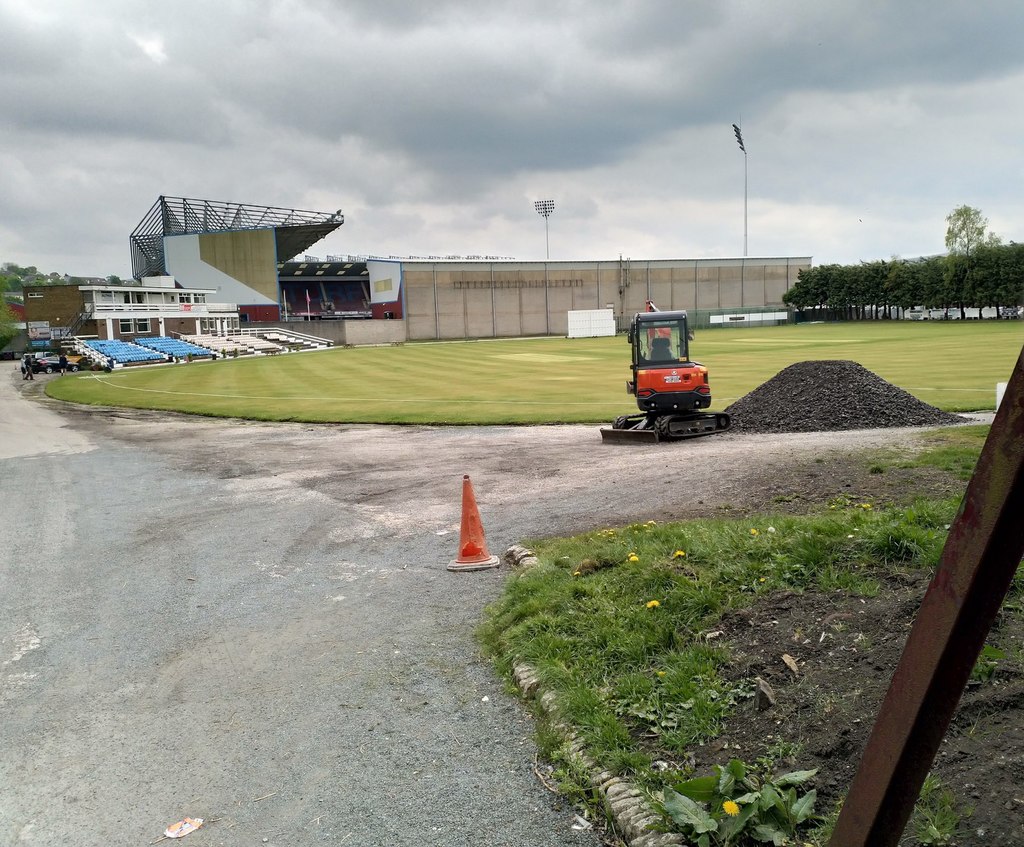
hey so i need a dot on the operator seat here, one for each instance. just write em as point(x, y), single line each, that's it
point(661, 349)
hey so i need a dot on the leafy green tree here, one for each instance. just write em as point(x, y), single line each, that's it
point(1011, 285)
point(987, 277)
point(846, 285)
point(810, 290)
point(931, 277)
point(9, 324)
point(966, 231)
point(871, 290)
point(903, 285)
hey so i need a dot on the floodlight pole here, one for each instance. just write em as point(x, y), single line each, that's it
point(739, 140)
point(544, 209)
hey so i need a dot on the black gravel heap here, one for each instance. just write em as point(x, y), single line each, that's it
point(828, 396)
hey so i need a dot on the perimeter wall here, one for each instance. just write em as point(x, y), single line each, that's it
point(450, 300)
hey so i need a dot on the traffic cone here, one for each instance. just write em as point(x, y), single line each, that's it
point(473, 555)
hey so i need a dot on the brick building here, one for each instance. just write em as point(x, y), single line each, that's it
point(155, 306)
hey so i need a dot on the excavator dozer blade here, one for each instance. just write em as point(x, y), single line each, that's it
point(630, 436)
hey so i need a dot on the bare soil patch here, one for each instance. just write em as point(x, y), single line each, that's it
point(845, 648)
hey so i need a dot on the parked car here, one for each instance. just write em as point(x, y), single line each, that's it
point(50, 363)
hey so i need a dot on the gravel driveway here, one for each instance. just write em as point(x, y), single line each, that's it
point(253, 623)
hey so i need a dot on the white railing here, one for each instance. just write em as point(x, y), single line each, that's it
point(161, 308)
point(287, 333)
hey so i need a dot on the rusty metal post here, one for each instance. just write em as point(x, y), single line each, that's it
point(982, 552)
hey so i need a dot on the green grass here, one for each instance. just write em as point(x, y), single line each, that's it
point(613, 620)
point(954, 366)
point(954, 450)
point(936, 816)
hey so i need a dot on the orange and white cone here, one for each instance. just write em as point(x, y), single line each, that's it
point(473, 555)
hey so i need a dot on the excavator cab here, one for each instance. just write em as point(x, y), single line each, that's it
point(659, 339)
point(670, 389)
point(664, 379)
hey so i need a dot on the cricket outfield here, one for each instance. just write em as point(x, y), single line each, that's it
point(952, 365)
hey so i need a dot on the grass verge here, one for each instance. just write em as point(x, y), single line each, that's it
point(616, 621)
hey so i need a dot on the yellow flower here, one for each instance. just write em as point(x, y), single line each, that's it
point(651, 523)
point(865, 505)
point(662, 673)
point(679, 554)
point(575, 573)
point(754, 532)
point(653, 604)
point(730, 808)
point(763, 579)
point(633, 557)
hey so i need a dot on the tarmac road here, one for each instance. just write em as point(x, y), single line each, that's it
point(253, 623)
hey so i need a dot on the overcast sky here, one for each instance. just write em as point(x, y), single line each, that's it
point(435, 126)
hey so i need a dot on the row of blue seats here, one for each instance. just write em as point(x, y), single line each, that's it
point(172, 346)
point(121, 351)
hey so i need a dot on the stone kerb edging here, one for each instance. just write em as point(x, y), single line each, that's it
point(519, 557)
point(627, 804)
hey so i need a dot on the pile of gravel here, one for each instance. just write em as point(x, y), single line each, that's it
point(827, 396)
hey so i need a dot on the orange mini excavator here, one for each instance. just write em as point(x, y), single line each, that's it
point(669, 388)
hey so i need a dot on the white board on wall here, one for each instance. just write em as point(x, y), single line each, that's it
point(590, 323)
point(385, 281)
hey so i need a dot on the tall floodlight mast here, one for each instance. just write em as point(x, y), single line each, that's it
point(739, 140)
point(544, 209)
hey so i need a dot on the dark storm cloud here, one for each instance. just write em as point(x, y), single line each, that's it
point(500, 89)
point(439, 118)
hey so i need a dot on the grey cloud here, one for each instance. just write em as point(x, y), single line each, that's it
point(438, 119)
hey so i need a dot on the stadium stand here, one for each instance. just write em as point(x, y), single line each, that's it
point(262, 342)
point(124, 353)
point(227, 344)
point(295, 340)
point(172, 347)
point(216, 344)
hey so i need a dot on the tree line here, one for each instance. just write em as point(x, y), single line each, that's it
point(979, 271)
point(14, 277)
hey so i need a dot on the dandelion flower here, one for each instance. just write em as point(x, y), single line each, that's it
point(653, 604)
point(633, 557)
point(754, 531)
point(651, 523)
point(679, 554)
point(730, 808)
point(763, 579)
point(771, 529)
point(662, 673)
point(575, 573)
point(865, 505)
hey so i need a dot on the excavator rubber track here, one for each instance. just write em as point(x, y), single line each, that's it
point(643, 429)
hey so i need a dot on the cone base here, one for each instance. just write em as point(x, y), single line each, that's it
point(491, 562)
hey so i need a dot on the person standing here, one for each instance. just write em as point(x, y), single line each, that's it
point(62, 364)
point(27, 367)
